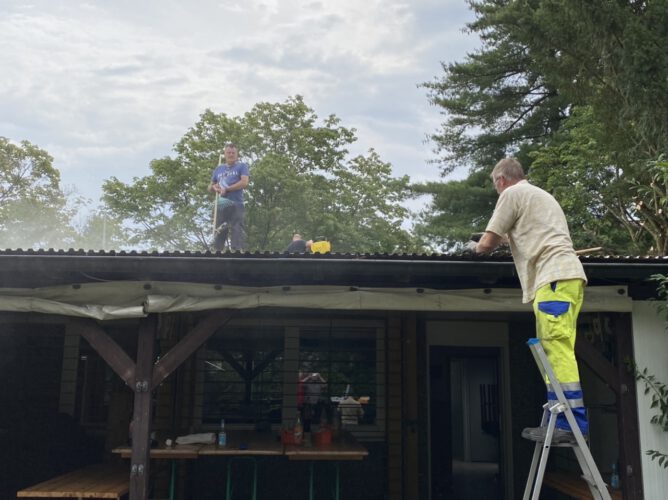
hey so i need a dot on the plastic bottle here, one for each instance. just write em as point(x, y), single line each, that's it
point(222, 435)
point(299, 430)
point(614, 477)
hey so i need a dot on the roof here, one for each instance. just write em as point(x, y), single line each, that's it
point(42, 268)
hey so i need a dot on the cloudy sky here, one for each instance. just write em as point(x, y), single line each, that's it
point(106, 86)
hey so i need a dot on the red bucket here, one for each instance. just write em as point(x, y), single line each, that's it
point(322, 437)
point(287, 436)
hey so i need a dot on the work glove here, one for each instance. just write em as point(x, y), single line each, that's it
point(470, 246)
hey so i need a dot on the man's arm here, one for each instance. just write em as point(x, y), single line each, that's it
point(488, 242)
point(241, 184)
point(214, 187)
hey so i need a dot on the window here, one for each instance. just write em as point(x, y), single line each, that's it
point(241, 369)
point(337, 362)
point(252, 373)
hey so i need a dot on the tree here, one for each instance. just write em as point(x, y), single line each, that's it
point(458, 209)
point(301, 180)
point(582, 174)
point(544, 60)
point(34, 210)
point(101, 231)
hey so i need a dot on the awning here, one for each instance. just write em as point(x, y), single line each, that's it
point(134, 299)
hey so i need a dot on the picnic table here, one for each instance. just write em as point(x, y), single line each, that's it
point(93, 481)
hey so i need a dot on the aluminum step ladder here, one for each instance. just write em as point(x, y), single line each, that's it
point(541, 452)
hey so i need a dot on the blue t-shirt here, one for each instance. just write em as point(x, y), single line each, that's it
point(227, 175)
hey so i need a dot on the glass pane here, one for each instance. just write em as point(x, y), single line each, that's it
point(242, 373)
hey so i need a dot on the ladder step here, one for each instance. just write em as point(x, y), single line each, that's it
point(538, 435)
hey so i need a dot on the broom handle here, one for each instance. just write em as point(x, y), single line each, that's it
point(588, 250)
point(215, 203)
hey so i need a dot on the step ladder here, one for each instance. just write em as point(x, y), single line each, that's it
point(541, 452)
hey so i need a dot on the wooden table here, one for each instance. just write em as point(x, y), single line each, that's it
point(164, 452)
point(346, 447)
point(173, 453)
point(93, 481)
point(244, 445)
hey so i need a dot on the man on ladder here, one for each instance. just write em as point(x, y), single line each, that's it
point(551, 276)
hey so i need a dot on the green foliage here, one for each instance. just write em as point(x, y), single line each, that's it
point(650, 198)
point(100, 231)
point(301, 180)
point(34, 210)
point(580, 173)
point(578, 86)
point(659, 394)
point(458, 209)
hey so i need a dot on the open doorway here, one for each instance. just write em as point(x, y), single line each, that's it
point(465, 423)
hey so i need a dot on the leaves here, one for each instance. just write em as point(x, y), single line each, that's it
point(34, 210)
point(301, 180)
point(568, 87)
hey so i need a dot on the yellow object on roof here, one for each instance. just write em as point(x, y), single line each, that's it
point(321, 247)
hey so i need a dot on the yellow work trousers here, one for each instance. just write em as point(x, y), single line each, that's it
point(557, 306)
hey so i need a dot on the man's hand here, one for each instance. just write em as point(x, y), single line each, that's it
point(471, 246)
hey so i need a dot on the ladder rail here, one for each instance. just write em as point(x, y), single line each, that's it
point(589, 469)
point(535, 459)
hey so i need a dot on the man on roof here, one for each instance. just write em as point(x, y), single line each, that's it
point(229, 180)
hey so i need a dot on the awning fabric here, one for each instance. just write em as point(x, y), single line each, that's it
point(133, 299)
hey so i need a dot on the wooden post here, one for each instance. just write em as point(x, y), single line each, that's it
point(141, 420)
point(410, 398)
point(630, 470)
point(394, 409)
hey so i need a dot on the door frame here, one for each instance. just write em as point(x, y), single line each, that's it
point(444, 333)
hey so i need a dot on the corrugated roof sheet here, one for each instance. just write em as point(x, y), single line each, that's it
point(44, 268)
point(598, 258)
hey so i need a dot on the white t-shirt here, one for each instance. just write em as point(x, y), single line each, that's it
point(539, 239)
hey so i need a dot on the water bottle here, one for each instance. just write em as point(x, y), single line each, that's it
point(298, 431)
point(222, 435)
point(614, 477)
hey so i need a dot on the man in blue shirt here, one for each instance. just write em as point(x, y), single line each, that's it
point(229, 181)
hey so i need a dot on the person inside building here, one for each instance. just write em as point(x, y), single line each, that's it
point(351, 411)
point(551, 276)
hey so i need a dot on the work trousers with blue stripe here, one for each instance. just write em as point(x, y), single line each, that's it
point(556, 307)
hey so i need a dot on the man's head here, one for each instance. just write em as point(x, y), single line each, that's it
point(506, 173)
point(296, 237)
point(231, 153)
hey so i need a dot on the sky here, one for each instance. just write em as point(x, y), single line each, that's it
point(106, 86)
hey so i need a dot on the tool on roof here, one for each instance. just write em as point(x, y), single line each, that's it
point(215, 203)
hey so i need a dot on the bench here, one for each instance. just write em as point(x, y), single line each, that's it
point(573, 486)
point(93, 481)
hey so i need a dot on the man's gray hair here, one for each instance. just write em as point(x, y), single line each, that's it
point(508, 168)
